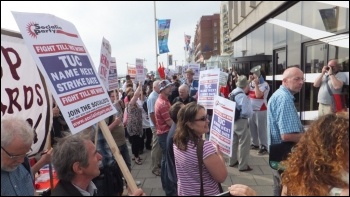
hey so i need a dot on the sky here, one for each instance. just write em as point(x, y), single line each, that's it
point(128, 26)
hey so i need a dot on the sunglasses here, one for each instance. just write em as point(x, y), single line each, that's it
point(204, 118)
point(15, 157)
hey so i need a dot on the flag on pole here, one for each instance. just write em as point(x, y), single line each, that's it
point(170, 59)
point(187, 42)
point(161, 70)
point(163, 33)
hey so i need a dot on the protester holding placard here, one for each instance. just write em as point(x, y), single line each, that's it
point(192, 124)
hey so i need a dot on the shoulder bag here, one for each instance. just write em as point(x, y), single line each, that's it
point(278, 153)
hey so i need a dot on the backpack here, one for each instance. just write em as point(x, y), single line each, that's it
point(237, 111)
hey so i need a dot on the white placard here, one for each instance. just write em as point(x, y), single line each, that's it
point(140, 71)
point(222, 124)
point(113, 75)
point(208, 87)
point(62, 58)
point(105, 59)
point(23, 92)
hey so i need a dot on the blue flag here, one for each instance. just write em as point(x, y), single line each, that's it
point(163, 33)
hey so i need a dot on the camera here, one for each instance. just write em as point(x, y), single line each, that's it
point(327, 69)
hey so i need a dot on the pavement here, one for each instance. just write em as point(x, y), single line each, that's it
point(259, 179)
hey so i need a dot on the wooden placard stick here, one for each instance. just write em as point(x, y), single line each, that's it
point(118, 157)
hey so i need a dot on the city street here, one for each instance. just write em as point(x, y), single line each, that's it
point(260, 178)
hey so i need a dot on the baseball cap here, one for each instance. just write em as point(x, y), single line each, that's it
point(164, 84)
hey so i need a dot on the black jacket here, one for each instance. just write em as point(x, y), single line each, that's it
point(64, 188)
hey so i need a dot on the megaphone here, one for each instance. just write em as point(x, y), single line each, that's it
point(256, 70)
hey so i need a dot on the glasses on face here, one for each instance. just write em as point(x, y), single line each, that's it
point(298, 79)
point(204, 118)
point(14, 157)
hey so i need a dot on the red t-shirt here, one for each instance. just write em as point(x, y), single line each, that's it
point(161, 111)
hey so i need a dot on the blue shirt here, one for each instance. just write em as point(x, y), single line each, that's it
point(193, 87)
point(282, 116)
point(17, 183)
point(243, 102)
point(150, 105)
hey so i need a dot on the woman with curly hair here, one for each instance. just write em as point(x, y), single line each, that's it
point(319, 163)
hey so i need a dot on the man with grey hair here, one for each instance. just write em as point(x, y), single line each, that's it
point(16, 174)
point(76, 162)
point(156, 153)
point(184, 96)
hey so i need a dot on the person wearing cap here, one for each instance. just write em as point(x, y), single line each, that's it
point(192, 84)
point(258, 91)
point(241, 138)
point(164, 122)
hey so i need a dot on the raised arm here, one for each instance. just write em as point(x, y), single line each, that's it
point(136, 94)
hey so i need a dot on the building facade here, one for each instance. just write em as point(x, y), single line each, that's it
point(281, 34)
point(207, 38)
point(226, 27)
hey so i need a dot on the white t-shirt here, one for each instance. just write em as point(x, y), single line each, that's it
point(145, 118)
point(124, 86)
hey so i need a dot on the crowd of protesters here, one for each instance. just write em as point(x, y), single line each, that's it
point(171, 128)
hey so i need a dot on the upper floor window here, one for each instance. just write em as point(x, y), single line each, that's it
point(215, 24)
point(224, 8)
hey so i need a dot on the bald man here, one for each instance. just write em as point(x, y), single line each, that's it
point(283, 121)
point(184, 96)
